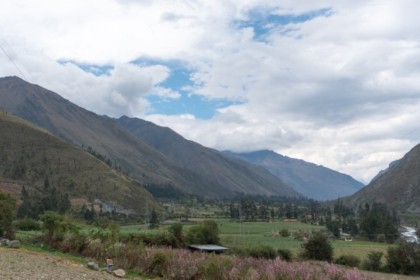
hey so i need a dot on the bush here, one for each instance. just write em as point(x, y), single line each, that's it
point(404, 259)
point(207, 232)
point(27, 224)
point(262, 252)
point(54, 226)
point(285, 254)
point(318, 248)
point(380, 238)
point(176, 232)
point(284, 232)
point(373, 261)
point(348, 260)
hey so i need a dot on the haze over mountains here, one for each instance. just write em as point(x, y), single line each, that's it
point(309, 179)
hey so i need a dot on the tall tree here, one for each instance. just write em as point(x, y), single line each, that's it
point(7, 212)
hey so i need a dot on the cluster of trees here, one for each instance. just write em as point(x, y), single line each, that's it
point(374, 222)
point(252, 208)
point(47, 199)
point(378, 223)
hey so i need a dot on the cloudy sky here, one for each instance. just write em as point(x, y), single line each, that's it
point(336, 83)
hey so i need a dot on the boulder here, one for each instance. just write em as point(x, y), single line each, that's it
point(93, 265)
point(4, 242)
point(119, 273)
point(14, 244)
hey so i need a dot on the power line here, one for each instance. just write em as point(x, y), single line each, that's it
point(10, 56)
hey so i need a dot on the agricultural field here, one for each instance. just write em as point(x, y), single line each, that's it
point(244, 235)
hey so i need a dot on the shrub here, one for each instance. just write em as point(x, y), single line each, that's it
point(206, 232)
point(348, 260)
point(380, 238)
point(318, 248)
point(285, 254)
point(176, 232)
point(262, 252)
point(27, 224)
point(284, 232)
point(159, 265)
point(373, 261)
point(54, 226)
point(404, 259)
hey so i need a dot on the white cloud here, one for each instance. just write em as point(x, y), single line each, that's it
point(339, 89)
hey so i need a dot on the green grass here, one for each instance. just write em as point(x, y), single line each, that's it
point(358, 248)
point(249, 234)
point(246, 234)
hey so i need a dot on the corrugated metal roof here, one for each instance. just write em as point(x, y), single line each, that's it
point(208, 247)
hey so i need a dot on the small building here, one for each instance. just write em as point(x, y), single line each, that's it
point(208, 248)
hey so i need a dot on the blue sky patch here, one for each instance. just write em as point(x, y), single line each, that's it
point(97, 70)
point(189, 103)
point(264, 22)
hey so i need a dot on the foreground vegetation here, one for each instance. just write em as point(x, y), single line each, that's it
point(259, 248)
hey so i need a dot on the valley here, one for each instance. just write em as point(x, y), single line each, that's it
point(86, 184)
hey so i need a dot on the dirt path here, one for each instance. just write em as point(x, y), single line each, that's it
point(19, 264)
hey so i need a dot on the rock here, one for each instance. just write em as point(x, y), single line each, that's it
point(14, 244)
point(4, 242)
point(93, 265)
point(119, 273)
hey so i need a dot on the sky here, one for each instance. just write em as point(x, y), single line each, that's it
point(332, 82)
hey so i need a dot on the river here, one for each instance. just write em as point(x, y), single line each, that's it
point(409, 234)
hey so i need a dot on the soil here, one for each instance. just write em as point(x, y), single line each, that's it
point(19, 264)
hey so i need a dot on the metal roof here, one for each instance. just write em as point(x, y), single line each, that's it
point(208, 247)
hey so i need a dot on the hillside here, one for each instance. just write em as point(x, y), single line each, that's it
point(210, 163)
point(309, 179)
point(157, 171)
point(29, 155)
point(398, 186)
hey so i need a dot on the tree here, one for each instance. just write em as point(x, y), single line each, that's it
point(207, 232)
point(318, 248)
point(404, 258)
point(176, 231)
point(378, 220)
point(7, 212)
point(154, 220)
point(53, 225)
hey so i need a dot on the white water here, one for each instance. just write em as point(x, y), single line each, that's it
point(409, 234)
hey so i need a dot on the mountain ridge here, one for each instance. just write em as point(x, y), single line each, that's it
point(104, 135)
point(314, 181)
point(398, 187)
point(30, 155)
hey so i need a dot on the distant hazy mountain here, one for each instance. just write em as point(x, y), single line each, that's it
point(309, 179)
point(29, 155)
point(156, 168)
point(398, 186)
point(213, 165)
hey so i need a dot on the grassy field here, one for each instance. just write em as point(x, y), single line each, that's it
point(248, 234)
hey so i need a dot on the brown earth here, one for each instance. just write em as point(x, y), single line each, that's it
point(20, 264)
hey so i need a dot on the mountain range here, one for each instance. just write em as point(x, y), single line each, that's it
point(30, 155)
point(313, 181)
point(128, 160)
point(188, 168)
